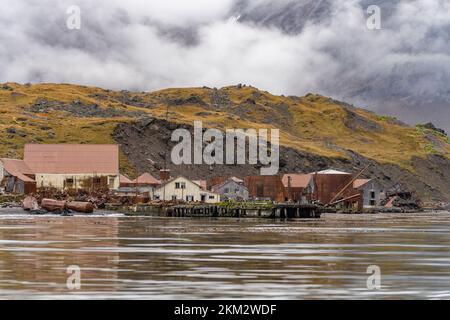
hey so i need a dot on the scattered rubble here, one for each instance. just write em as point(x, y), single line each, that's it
point(404, 200)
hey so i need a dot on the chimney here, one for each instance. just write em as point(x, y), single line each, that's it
point(164, 174)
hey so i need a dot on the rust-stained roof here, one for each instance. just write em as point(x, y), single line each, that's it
point(17, 168)
point(72, 158)
point(297, 180)
point(358, 183)
point(201, 183)
point(146, 178)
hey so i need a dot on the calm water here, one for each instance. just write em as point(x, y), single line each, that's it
point(172, 258)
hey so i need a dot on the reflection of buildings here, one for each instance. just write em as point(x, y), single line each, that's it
point(43, 248)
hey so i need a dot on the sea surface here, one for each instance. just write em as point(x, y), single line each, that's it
point(384, 256)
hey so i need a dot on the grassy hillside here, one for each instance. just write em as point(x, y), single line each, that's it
point(62, 113)
point(313, 123)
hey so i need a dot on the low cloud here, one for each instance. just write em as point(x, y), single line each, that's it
point(299, 47)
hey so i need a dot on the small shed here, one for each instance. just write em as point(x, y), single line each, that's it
point(16, 176)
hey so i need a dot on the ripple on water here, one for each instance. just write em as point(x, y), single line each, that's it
point(164, 258)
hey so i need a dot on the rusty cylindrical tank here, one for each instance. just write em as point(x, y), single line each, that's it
point(82, 207)
point(53, 205)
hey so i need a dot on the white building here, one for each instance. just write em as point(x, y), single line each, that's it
point(74, 166)
point(183, 189)
point(374, 193)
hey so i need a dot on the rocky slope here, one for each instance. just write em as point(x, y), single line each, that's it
point(316, 132)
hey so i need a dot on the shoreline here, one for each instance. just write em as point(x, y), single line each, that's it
point(17, 211)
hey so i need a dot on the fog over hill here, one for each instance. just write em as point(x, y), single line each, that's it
point(286, 47)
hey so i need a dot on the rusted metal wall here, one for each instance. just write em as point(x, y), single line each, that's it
point(296, 194)
point(266, 187)
point(329, 185)
point(30, 187)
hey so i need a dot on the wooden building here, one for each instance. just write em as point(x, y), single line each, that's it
point(16, 177)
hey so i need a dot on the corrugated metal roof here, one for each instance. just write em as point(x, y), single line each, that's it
point(297, 180)
point(146, 178)
point(72, 158)
point(17, 168)
point(360, 182)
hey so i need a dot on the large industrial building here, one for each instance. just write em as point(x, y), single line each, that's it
point(62, 166)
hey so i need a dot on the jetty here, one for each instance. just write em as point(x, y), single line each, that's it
point(270, 211)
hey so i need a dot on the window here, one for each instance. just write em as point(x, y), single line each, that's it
point(372, 194)
point(157, 197)
point(69, 183)
point(97, 180)
point(174, 198)
point(180, 185)
point(226, 190)
point(190, 198)
point(372, 202)
point(111, 181)
point(212, 197)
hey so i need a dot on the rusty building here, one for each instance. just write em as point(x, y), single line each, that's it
point(337, 187)
point(266, 188)
point(299, 187)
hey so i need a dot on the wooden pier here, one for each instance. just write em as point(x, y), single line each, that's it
point(281, 211)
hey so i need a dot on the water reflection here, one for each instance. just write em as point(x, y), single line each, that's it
point(164, 258)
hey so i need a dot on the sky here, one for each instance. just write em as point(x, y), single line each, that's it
point(289, 47)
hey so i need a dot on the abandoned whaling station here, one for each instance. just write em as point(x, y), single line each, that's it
point(66, 178)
